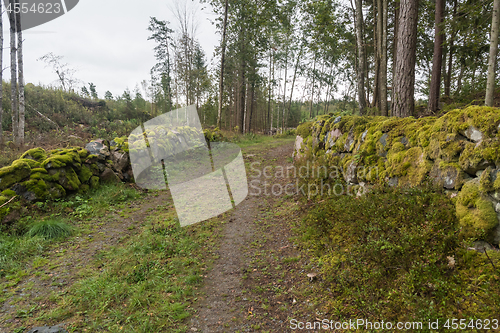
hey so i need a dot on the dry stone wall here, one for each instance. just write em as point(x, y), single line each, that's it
point(459, 151)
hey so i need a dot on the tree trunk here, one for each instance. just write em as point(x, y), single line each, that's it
point(223, 55)
point(284, 87)
point(13, 76)
point(1, 82)
point(383, 59)
point(395, 49)
point(447, 82)
point(377, 54)
point(294, 77)
point(271, 70)
point(252, 94)
point(460, 76)
point(312, 89)
point(320, 88)
point(490, 85)
point(20, 78)
point(437, 61)
point(404, 83)
point(361, 57)
point(329, 90)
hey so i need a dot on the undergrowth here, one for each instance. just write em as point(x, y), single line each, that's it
point(395, 254)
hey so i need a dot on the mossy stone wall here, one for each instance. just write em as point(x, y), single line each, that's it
point(40, 175)
point(459, 151)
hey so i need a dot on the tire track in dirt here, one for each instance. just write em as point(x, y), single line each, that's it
point(223, 303)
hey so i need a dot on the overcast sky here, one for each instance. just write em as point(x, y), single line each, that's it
point(106, 42)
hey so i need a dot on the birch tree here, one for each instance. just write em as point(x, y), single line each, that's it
point(490, 84)
point(13, 75)
point(20, 77)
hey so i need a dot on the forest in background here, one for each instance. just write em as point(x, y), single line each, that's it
point(280, 63)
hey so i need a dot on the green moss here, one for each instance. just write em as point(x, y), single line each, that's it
point(17, 171)
point(304, 130)
point(39, 170)
point(62, 158)
point(94, 182)
point(475, 212)
point(37, 154)
point(38, 187)
point(397, 147)
point(84, 174)
point(84, 188)
point(478, 157)
point(83, 153)
point(496, 183)
point(9, 194)
point(72, 181)
point(485, 182)
point(55, 190)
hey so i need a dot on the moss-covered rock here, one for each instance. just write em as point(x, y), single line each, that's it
point(37, 154)
point(8, 193)
point(36, 189)
point(84, 174)
point(17, 171)
point(62, 158)
point(66, 177)
point(447, 175)
point(476, 157)
point(305, 129)
point(475, 211)
point(94, 182)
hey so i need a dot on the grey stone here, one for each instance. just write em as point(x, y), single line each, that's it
point(120, 160)
point(98, 148)
point(298, 144)
point(22, 191)
point(393, 181)
point(480, 246)
point(495, 195)
point(363, 136)
point(108, 176)
point(334, 135)
point(449, 177)
point(48, 329)
point(350, 175)
point(496, 233)
point(404, 140)
point(349, 142)
point(383, 140)
point(337, 120)
point(473, 134)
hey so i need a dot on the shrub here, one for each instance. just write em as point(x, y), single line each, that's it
point(384, 255)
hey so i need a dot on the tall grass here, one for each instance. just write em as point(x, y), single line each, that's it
point(50, 229)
